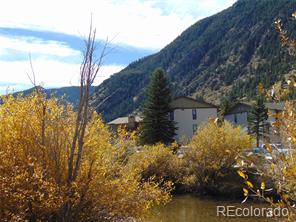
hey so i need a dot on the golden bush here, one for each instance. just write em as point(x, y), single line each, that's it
point(158, 161)
point(212, 153)
point(35, 138)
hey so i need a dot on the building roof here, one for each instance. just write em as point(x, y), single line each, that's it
point(241, 107)
point(275, 106)
point(181, 102)
point(184, 102)
point(124, 120)
point(246, 107)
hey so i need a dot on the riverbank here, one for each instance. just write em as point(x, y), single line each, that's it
point(228, 187)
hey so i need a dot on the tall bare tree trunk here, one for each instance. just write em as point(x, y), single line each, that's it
point(88, 72)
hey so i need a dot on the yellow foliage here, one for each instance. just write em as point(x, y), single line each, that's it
point(280, 171)
point(242, 174)
point(158, 161)
point(262, 185)
point(35, 138)
point(213, 150)
point(249, 184)
point(246, 192)
point(261, 88)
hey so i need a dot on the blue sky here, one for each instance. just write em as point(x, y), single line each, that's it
point(52, 31)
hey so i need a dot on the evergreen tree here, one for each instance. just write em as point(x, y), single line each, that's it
point(257, 119)
point(225, 105)
point(157, 125)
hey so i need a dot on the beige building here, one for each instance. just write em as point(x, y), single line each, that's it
point(188, 113)
point(130, 122)
point(273, 108)
point(238, 115)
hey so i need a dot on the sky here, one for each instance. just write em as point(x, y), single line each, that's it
point(51, 33)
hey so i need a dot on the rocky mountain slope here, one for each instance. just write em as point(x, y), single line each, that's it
point(227, 54)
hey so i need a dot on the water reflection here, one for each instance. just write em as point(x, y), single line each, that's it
point(187, 208)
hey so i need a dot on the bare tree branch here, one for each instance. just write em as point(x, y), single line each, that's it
point(43, 104)
point(89, 69)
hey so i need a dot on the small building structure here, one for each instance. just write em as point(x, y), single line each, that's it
point(238, 115)
point(130, 122)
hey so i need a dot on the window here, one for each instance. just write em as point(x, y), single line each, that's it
point(172, 115)
point(194, 128)
point(194, 114)
point(235, 118)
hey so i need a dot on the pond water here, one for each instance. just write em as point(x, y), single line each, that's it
point(188, 208)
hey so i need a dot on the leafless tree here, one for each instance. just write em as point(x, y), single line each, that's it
point(89, 69)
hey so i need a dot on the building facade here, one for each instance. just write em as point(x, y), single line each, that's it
point(238, 115)
point(188, 114)
point(130, 122)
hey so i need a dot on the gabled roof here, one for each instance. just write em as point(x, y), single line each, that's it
point(275, 106)
point(124, 120)
point(184, 102)
point(241, 107)
point(246, 107)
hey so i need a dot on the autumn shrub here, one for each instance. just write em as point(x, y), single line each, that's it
point(212, 155)
point(126, 141)
point(35, 138)
point(277, 176)
point(160, 162)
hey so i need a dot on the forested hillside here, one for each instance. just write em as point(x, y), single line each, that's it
point(69, 94)
point(227, 54)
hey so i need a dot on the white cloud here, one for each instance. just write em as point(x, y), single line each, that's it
point(11, 88)
point(196, 8)
point(149, 23)
point(139, 23)
point(13, 74)
point(34, 45)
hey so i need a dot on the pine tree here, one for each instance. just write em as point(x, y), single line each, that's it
point(257, 119)
point(157, 126)
point(225, 105)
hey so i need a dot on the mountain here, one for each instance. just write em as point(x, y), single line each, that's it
point(227, 54)
point(70, 94)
